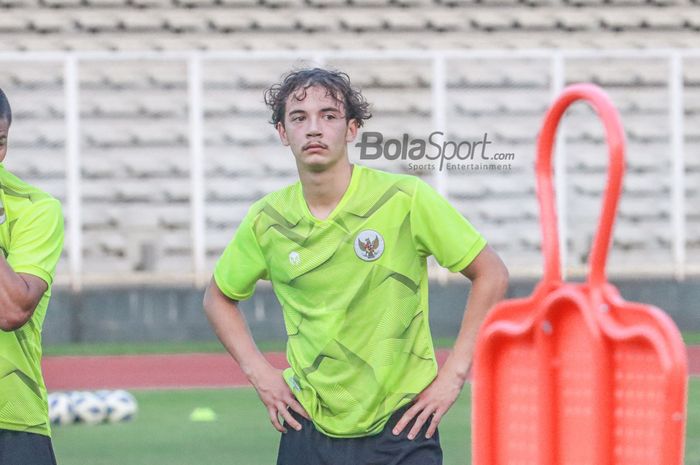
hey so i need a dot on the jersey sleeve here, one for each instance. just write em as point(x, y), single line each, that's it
point(242, 263)
point(36, 240)
point(440, 230)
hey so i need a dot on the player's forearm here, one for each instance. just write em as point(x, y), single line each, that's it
point(16, 304)
point(232, 330)
point(486, 291)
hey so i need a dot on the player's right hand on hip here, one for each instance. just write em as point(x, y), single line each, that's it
point(278, 398)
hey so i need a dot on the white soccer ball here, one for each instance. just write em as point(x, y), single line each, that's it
point(60, 409)
point(121, 406)
point(89, 408)
point(103, 393)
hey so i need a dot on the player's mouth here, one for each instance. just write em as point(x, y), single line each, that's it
point(314, 146)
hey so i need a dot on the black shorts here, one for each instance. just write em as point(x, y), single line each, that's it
point(20, 448)
point(311, 447)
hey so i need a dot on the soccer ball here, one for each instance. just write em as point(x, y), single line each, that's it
point(89, 408)
point(121, 406)
point(60, 409)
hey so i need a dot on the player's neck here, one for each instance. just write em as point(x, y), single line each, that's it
point(323, 190)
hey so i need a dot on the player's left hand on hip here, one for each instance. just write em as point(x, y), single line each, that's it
point(430, 405)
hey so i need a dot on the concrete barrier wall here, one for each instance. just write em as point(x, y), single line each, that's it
point(175, 314)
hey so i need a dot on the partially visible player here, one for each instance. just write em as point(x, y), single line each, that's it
point(31, 239)
point(346, 249)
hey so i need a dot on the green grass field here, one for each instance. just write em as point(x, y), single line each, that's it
point(242, 435)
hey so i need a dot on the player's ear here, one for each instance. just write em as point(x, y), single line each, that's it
point(282, 131)
point(351, 132)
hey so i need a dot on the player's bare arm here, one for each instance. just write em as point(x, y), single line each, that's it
point(20, 294)
point(489, 278)
point(232, 330)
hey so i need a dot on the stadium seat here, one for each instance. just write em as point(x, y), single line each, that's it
point(150, 167)
point(647, 185)
point(171, 217)
point(229, 23)
point(225, 191)
point(190, 4)
point(266, 21)
point(88, 21)
point(98, 4)
point(326, 3)
point(37, 77)
point(534, 20)
point(619, 20)
point(492, 21)
point(462, 3)
point(530, 104)
point(217, 240)
point(441, 20)
point(495, 211)
point(184, 21)
point(48, 22)
point(239, 3)
point(142, 4)
point(175, 190)
point(98, 192)
point(96, 166)
point(112, 244)
point(639, 210)
point(693, 235)
point(405, 20)
point(359, 21)
point(511, 187)
point(283, 4)
point(131, 21)
point(11, 4)
point(527, 238)
point(224, 216)
point(99, 218)
point(59, 3)
point(466, 187)
point(137, 191)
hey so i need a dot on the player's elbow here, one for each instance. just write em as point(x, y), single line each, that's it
point(14, 318)
point(209, 301)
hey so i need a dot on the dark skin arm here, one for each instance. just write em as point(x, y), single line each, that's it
point(489, 278)
point(20, 294)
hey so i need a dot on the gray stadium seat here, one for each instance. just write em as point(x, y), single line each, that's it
point(184, 21)
point(95, 22)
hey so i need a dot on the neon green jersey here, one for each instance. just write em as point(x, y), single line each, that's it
point(353, 290)
point(31, 239)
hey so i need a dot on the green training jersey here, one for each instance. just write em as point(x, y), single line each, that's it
point(31, 239)
point(353, 289)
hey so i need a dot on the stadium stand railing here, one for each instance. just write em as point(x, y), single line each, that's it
point(157, 155)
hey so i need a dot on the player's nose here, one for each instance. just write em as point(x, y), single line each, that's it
point(313, 128)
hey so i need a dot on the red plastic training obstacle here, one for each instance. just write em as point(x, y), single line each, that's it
point(573, 374)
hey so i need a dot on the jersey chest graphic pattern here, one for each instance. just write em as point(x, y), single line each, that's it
point(355, 321)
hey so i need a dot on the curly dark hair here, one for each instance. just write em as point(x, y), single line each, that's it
point(5, 110)
point(336, 83)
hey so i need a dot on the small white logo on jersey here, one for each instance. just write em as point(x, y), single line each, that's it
point(369, 245)
point(294, 258)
